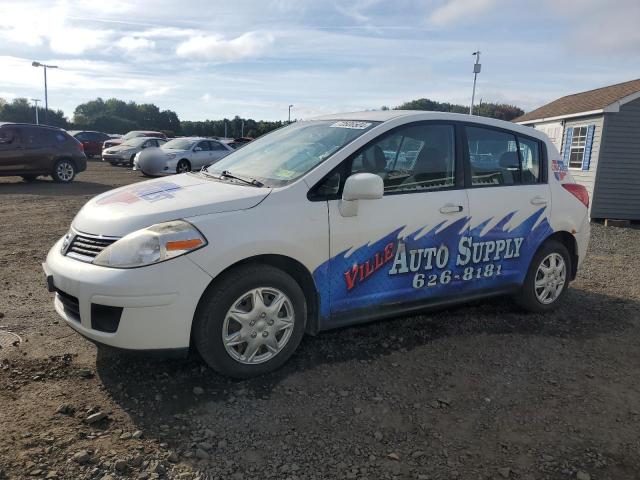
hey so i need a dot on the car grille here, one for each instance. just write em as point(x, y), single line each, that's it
point(70, 305)
point(87, 247)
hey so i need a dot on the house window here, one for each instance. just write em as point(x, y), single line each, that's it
point(576, 153)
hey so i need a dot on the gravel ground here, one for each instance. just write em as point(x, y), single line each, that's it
point(476, 392)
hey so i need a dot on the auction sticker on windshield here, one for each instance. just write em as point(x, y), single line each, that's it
point(351, 124)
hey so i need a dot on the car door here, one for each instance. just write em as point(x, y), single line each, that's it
point(201, 155)
point(398, 251)
point(11, 150)
point(510, 202)
point(39, 149)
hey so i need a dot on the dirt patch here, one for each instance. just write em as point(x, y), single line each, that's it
point(479, 391)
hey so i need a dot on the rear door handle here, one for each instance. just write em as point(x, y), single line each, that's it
point(538, 200)
point(451, 208)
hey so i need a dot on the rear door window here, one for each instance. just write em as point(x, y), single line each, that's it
point(529, 160)
point(493, 157)
point(8, 137)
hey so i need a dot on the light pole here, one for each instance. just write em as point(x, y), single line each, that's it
point(35, 101)
point(476, 70)
point(290, 113)
point(46, 99)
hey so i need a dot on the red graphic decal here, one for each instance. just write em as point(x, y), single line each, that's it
point(360, 272)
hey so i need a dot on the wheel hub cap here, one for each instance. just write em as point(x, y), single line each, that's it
point(258, 325)
point(550, 278)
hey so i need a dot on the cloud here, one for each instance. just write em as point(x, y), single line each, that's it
point(206, 97)
point(457, 10)
point(133, 44)
point(217, 48)
point(33, 26)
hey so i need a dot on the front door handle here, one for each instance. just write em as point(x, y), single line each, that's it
point(538, 200)
point(451, 208)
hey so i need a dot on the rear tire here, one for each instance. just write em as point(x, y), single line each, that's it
point(242, 304)
point(29, 178)
point(183, 166)
point(64, 171)
point(547, 279)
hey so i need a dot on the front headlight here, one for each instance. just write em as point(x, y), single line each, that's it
point(154, 244)
point(171, 156)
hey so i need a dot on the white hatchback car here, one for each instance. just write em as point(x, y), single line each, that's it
point(323, 223)
point(180, 155)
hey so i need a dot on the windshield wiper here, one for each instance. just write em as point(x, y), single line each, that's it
point(253, 181)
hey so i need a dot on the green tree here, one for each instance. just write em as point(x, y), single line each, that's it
point(494, 110)
point(20, 110)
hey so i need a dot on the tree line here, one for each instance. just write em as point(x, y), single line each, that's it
point(118, 116)
point(500, 111)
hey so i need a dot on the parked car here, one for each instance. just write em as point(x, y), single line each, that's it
point(180, 155)
point(313, 227)
point(91, 141)
point(132, 134)
point(30, 151)
point(126, 151)
point(239, 142)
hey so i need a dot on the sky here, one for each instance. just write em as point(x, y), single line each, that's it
point(253, 58)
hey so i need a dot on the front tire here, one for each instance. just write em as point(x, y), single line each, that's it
point(183, 166)
point(250, 321)
point(547, 279)
point(64, 171)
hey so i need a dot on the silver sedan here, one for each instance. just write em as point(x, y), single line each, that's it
point(180, 155)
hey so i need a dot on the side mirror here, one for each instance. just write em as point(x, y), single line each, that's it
point(197, 149)
point(360, 186)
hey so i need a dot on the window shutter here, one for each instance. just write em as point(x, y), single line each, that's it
point(568, 138)
point(586, 159)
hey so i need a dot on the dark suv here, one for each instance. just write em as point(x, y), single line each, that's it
point(32, 150)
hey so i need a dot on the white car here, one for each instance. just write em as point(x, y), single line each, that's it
point(313, 227)
point(127, 150)
point(181, 155)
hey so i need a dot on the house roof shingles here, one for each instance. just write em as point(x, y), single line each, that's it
point(583, 102)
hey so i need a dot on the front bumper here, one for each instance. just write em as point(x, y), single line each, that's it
point(114, 158)
point(157, 302)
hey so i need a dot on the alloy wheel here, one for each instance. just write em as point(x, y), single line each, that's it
point(550, 278)
point(258, 325)
point(65, 171)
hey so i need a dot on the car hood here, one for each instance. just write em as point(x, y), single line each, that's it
point(113, 141)
point(121, 148)
point(126, 209)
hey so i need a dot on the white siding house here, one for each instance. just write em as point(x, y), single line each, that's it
point(598, 136)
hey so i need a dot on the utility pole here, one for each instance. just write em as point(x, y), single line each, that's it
point(476, 70)
point(35, 101)
point(46, 98)
point(290, 113)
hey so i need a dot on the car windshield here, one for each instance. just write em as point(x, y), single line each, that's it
point(286, 154)
point(179, 144)
point(135, 142)
point(132, 135)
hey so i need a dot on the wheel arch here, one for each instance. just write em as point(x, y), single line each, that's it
point(569, 241)
point(293, 267)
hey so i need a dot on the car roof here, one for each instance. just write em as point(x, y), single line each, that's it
point(418, 115)
point(25, 124)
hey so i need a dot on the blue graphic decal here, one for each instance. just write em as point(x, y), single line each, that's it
point(430, 262)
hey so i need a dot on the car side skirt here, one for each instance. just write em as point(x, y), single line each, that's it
point(366, 315)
